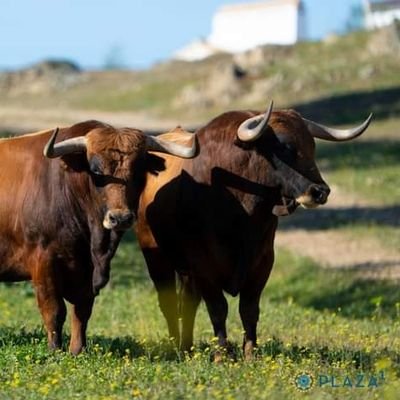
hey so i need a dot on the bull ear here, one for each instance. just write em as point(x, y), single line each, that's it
point(154, 143)
point(253, 128)
point(336, 135)
point(74, 145)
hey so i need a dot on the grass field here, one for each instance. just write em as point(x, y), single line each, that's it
point(340, 329)
point(330, 325)
point(318, 78)
point(369, 167)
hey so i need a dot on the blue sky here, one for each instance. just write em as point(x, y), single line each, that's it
point(141, 32)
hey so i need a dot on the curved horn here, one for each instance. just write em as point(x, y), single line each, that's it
point(154, 143)
point(253, 127)
point(74, 145)
point(336, 135)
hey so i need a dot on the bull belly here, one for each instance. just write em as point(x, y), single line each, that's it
point(14, 275)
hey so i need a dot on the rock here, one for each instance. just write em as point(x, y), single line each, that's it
point(385, 40)
point(366, 71)
point(226, 83)
point(46, 76)
point(331, 38)
point(262, 89)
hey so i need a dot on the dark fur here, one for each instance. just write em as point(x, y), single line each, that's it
point(212, 219)
point(51, 215)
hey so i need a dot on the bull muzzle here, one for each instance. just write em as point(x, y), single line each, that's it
point(316, 195)
point(119, 220)
point(298, 188)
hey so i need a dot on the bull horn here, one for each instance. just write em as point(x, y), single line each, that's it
point(336, 135)
point(74, 145)
point(154, 143)
point(252, 128)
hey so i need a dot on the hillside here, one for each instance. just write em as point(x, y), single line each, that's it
point(339, 79)
point(331, 308)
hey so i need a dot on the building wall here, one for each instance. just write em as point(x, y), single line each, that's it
point(240, 28)
point(379, 19)
point(378, 15)
point(196, 50)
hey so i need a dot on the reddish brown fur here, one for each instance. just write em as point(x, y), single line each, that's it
point(210, 219)
point(51, 218)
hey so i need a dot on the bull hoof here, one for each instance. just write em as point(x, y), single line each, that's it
point(248, 351)
point(53, 347)
point(54, 341)
point(186, 347)
point(219, 357)
point(76, 349)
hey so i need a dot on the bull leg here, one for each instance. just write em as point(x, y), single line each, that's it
point(190, 300)
point(48, 295)
point(249, 311)
point(167, 300)
point(53, 310)
point(217, 307)
point(249, 302)
point(81, 312)
point(164, 281)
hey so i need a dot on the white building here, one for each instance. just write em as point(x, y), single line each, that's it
point(380, 13)
point(240, 27)
point(196, 50)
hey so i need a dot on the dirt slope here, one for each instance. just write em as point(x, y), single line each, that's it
point(335, 249)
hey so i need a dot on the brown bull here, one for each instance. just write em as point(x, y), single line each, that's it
point(63, 209)
point(213, 219)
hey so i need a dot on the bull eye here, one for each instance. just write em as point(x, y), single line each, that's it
point(284, 147)
point(286, 152)
point(290, 150)
point(95, 166)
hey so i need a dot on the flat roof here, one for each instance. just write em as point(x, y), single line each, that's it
point(257, 5)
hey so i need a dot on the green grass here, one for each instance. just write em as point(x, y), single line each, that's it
point(313, 70)
point(308, 72)
point(4, 134)
point(378, 222)
point(388, 236)
point(322, 322)
point(151, 94)
point(338, 82)
point(368, 171)
point(369, 168)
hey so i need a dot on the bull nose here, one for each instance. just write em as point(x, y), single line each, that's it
point(320, 193)
point(127, 218)
point(118, 220)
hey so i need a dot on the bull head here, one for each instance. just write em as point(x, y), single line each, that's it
point(79, 145)
point(116, 166)
point(251, 129)
point(298, 177)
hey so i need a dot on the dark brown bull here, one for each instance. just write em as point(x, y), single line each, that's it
point(213, 219)
point(62, 214)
